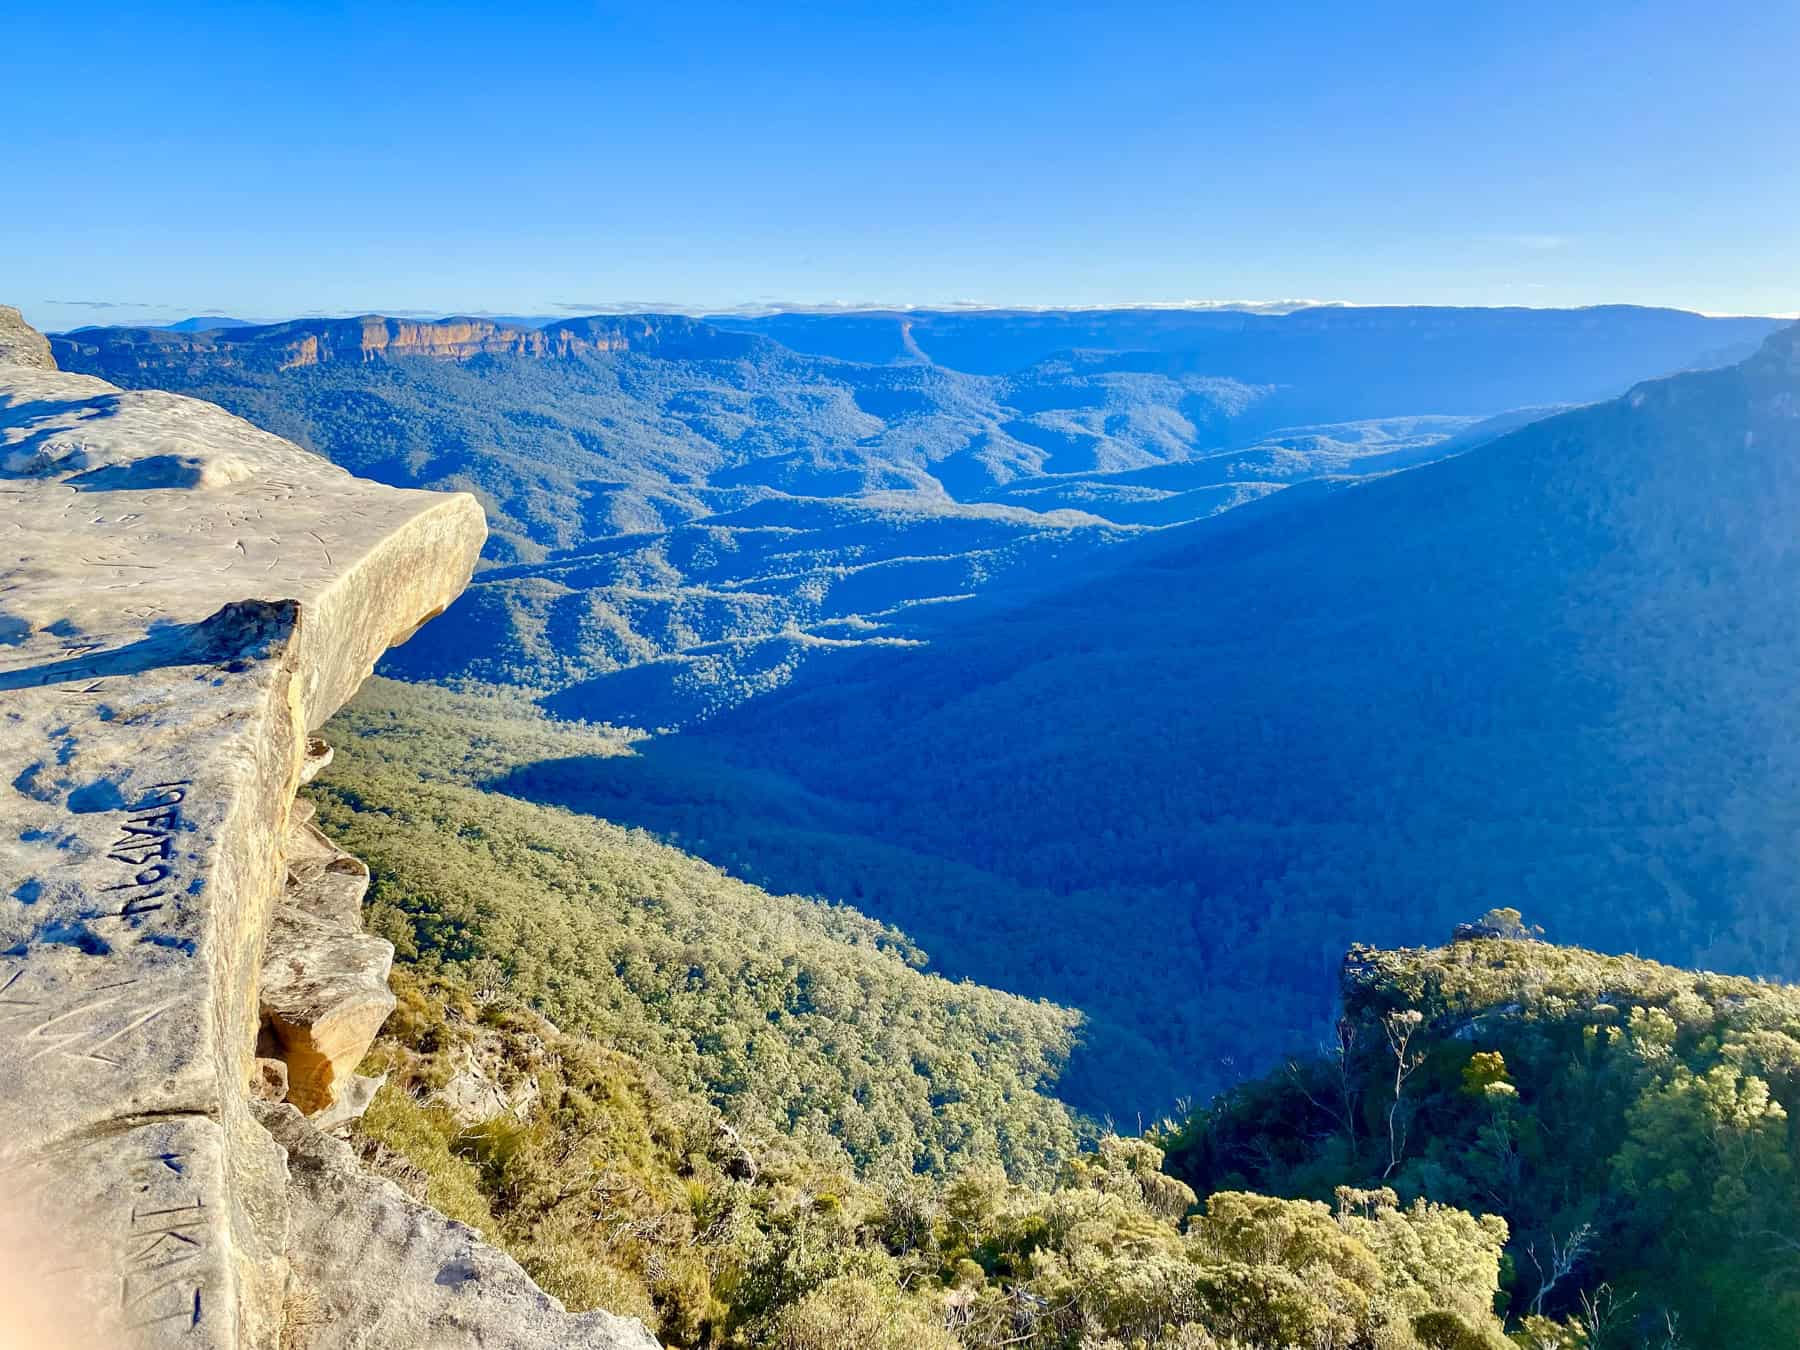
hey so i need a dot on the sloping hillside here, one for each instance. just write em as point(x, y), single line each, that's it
point(788, 1015)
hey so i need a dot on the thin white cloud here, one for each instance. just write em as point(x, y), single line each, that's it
point(110, 304)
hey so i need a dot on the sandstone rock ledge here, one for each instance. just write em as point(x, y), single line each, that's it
point(183, 598)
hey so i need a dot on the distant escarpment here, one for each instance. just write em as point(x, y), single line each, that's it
point(370, 337)
point(185, 989)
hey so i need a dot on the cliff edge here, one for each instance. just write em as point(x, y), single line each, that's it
point(183, 600)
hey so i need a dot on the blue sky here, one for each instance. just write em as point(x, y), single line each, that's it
point(274, 160)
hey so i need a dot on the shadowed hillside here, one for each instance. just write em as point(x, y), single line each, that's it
point(786, 1015)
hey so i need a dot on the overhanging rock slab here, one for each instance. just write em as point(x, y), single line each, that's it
point(182, 599)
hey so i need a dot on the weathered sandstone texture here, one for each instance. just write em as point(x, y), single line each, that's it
point(324, 981)
point(183, 599)
point(21, 344)
point(421, 1279)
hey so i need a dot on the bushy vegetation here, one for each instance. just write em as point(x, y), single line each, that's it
point(1510, 1144)
point(1634, 1124)
point(618, 1191)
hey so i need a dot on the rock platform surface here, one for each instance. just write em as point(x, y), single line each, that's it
point(183, 598)
point(422, 1280)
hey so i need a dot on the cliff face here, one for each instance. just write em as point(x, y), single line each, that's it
point(370, 337)
point(312, 342)
point(184, 599)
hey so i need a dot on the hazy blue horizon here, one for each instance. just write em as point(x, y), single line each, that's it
point(764, 309)
point(284, 160)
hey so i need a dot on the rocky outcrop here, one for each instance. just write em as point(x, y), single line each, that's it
point(324, 981)
point(184, 599)
point(21, 344)
point(373, 336)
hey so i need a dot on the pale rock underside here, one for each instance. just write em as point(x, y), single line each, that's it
point(183, 598)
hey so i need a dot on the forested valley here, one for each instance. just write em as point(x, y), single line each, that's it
point(872, 857)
